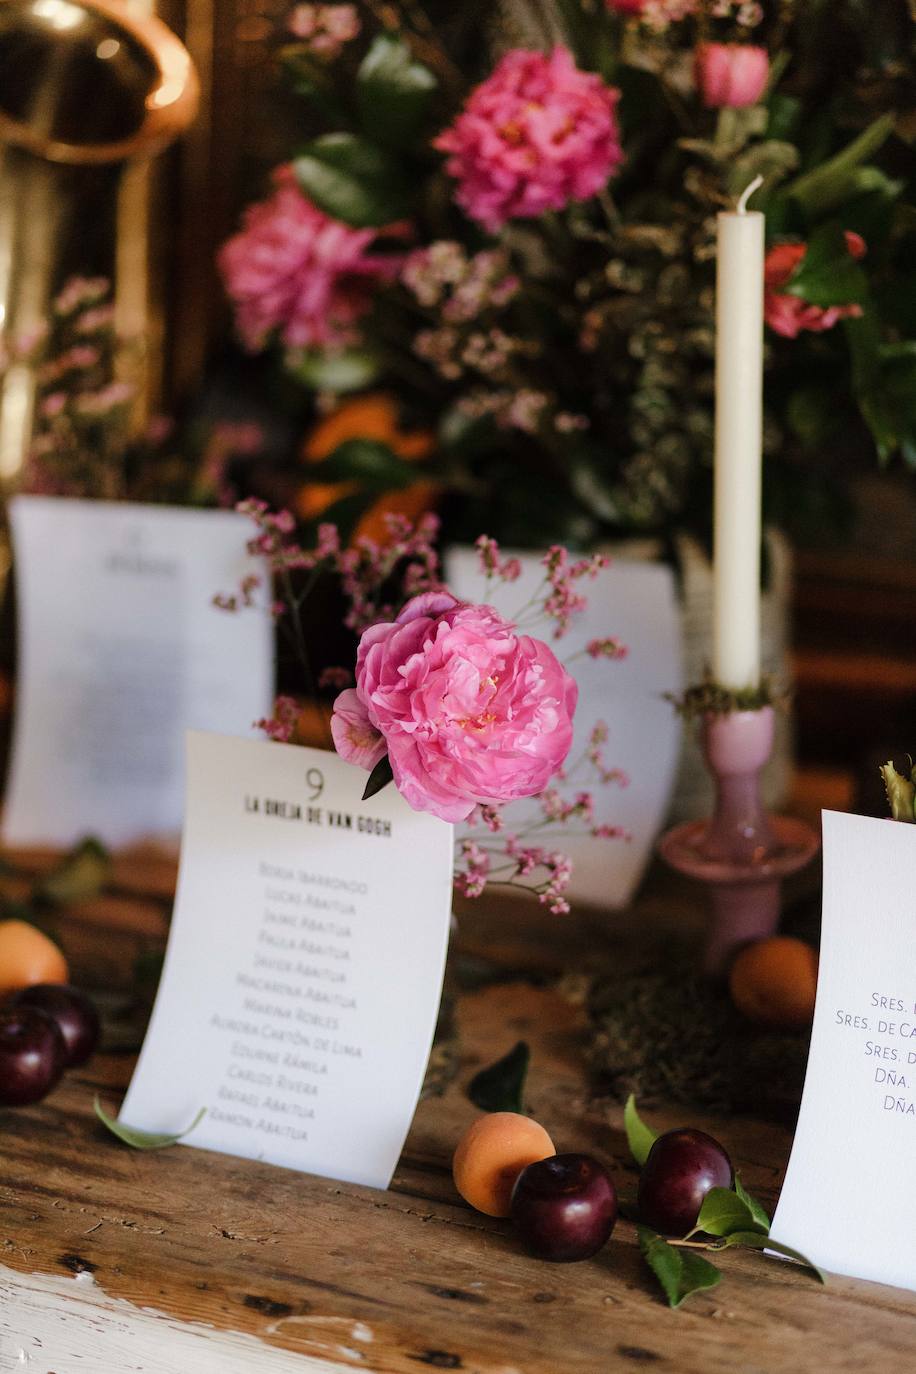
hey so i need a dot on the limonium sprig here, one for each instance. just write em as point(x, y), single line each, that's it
point(461, 707)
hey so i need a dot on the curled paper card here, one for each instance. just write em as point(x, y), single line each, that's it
point(304, 967)
point(120, 651)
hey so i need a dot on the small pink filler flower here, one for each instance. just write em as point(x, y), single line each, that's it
point(731, 74)
point(293, 269)
point(468, 710)
point(788, 315)
point(537, 134)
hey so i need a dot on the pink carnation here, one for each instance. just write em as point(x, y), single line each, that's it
point(293, 269)
point(469, 711)
point(537, 134)
point(788, 315)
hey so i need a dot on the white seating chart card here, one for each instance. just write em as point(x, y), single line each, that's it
point(636, 603)
point(849, 1199)
point(304, 968)
point(120, 652)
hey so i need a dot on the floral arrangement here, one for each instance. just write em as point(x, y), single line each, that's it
point(520, 246)
point(460, 707)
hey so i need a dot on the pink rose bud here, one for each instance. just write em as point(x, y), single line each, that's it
point(731, 74)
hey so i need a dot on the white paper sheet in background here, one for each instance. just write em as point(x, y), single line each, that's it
point(304, 967)
point(849, 1199)
point(120, 651)
point(635, 602)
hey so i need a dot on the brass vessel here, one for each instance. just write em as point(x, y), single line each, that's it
point(86, 88)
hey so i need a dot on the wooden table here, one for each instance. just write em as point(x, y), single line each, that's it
point(184, 1262)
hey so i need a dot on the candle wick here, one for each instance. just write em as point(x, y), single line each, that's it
point(748, 192)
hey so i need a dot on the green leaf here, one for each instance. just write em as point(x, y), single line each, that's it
point(380, 777)
point(500, 1086)
point(680, 1272)
point(640, 1137)
point(393, 92)
point(351, 179)
point(143, 1140)
point(826, 186)
point(81, 873)
point(828, 274)
point(723, 1212)
point(756, 1209)
point(901, 793)
point(350, 370)
point(755, 1241)
point(367, 461)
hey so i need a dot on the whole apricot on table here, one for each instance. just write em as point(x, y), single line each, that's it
point(27, 956)
point(490, 1156)
point(775, 981)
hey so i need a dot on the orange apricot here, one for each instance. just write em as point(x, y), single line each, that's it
point(27, 956)
point(490, 1156)
point(775, 981)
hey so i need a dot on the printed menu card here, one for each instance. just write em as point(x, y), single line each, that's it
point(849, 1199)
point(304, 968)
point(120, 651)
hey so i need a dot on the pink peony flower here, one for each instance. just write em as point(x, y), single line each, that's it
point(789, 315)
point(537, 134)
point(470, 711)
point(293, 269)
point(731, 74)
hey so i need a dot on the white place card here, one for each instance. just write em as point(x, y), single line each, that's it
point(120, 651)
point(635, 602)
point(849, 1199)
point(304, 968)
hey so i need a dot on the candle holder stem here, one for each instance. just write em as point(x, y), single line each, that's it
point(741, 852)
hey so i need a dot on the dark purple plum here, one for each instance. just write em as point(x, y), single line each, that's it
point(32, 1055)
point(71, 1009)
point(564, 1207)
point(681, 1168)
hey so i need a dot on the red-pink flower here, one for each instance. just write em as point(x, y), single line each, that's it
point(788, 315)
point(469, 711)
point(537, 134)
point(294, 270)
point(627, 6)
point(731, 74)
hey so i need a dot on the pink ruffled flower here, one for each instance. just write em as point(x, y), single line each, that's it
point(293, 269)
point(537, 134)
point(469, 711)
point(789, 315)
point(731, 74)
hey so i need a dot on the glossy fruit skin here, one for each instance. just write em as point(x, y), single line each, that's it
point(75, 1015)
point(32, 1055)
point(565, 1207)
point(681, 1168)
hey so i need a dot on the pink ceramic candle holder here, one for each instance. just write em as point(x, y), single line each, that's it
point(741, 852)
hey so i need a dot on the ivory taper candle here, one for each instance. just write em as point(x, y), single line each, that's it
point(738, 448)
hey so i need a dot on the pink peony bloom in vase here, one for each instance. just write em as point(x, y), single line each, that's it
point(731, 75)
point(293, 270)
point(789, 315)
point(468, 710)
point(537, 134)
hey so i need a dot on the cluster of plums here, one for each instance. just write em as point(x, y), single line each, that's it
point(45, 1029)
point(564, 1206)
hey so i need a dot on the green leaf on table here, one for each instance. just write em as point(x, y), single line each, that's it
point(393, 91)
point(755, 1241)
point(353, 180)
point(500, 1087)
point(640, 1137)
point(380, 777)
point(349, 370)
point(143, 1140)
point(81, 873)
point(680, 1272)
point(723, 1212)
point(828, 274)
point(756, 1209)
point(367, 461)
